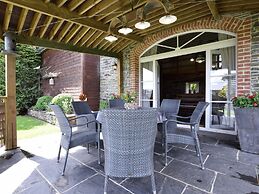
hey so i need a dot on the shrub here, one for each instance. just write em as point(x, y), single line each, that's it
point(64, 101)
point(103, 104)
point(43, 103)
point(27, 77)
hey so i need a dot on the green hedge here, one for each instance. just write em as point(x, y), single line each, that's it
point(64, 101)
point(43, 103)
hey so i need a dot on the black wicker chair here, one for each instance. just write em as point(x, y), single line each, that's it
point(116, 103)
point(186, 136)
point(86, 132)
point(82, 108)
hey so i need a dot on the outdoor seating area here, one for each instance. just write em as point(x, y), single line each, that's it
point(227, 169)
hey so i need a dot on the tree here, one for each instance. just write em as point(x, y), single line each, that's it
point(27, 77)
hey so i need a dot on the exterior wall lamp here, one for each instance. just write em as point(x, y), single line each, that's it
point(51, 81)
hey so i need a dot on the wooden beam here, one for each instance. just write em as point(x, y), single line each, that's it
point(45, 26)
point(100, 7)
point(72, 5)
point(64, 31)
point(1, 34)
point(7, 16)
point(63, 13)
point(97, 42)
point(61, 2)
point(34, 23)
point(55, 29)
point(93, 38)
point(80, 35)
point(35, 41)
point(71, 33)
point(87, 37)
point(87, 5)
point(213, 9)
point(21, 20)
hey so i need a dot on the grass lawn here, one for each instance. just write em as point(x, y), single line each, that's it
point(29, 127)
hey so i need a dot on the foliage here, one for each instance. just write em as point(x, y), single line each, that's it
point(103, 104)
point(115, 96)
point(223, 92)
point(246, 101)
point(43, 103)
point(129, 96)
point(64, 101)
point(29, 127)
point(27, 78)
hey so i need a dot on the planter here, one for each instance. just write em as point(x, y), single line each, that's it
point(247, 123)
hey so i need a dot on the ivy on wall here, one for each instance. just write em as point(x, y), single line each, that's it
point(27, 77)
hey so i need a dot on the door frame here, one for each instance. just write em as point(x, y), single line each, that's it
point(179, 52)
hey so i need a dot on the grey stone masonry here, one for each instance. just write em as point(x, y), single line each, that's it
point(255, 54)
point(108, 77)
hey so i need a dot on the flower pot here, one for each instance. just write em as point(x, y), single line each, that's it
point(131, 105)
point(247, 123)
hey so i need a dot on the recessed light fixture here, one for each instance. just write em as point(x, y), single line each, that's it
point(191, 59)
point(125, 30)
point(142, 25)
point(111, 38)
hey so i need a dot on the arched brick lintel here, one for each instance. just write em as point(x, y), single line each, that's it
point(241, 27)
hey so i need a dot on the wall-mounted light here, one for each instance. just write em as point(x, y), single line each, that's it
point(111, 38)
point(114, 66)
point(51, 81)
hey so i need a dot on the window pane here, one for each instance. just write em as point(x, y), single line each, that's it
point(147, 103)
point(147, 73)
point(222, 116)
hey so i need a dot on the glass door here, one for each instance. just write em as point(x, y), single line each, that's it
point(149, 79)
point(221, 77)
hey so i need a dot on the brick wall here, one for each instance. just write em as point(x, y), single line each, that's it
point(240, 26)
point(68, 64)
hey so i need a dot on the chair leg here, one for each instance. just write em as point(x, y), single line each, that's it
point(98, 149)
point(59, 153)
point(88, 148)
point(199, 150)
point(153, 183)
point(63, 172)
point(105, 184)
point(166, 147)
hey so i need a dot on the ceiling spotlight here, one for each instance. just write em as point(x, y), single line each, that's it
point(192, 59)
point(125, 30)
point(168, 19)
point(142, 25)
point(111, 38)
point(200, 59)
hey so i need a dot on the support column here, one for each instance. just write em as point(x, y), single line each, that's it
point(120, 75)
point(10, 85)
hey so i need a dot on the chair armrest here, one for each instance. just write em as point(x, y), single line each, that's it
point(181, 117)
point(86, 123)
point(180, 122)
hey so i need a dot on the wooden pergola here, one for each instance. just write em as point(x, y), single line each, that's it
point(82, 25)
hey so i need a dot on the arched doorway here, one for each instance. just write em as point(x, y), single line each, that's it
point(193, 66)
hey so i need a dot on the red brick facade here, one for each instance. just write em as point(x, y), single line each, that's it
point(77, 73)
point(242, 29)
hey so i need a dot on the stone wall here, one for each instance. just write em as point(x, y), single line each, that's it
point(108, 77)
point(126, 71)
point(255, 54)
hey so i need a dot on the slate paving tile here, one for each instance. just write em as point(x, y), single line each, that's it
point(226, 185)
point(9, 159)
point(164, 185)
point(232, 168)
point(95, 185)
point(192, 190)
point(185, 155)
point(75, 172)
point(190, 174)
point(159, 162)
point(229, 143)
point(207, 140)
point(221, 152)
point(248, 158)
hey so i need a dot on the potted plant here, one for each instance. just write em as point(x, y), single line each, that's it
point(130, 98)
point(247, 121)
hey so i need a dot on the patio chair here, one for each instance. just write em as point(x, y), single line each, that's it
point(186, 136)
point(116, 103)
point(87, 133)
point(82, 108)
point(129, 137)
point(169, 108)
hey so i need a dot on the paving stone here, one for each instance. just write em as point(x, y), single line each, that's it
point(35, 184)
point(164, 185)
point(185, 155)
point(232, 168)
point(159, 162)
point(221, 152)
point(75, 173)
point(10, 158)
point(248, 158)
point(190, 174)
point(229, 143)
point(207, 140)
point(226, 185)
point(95, 185)
point(192, 190)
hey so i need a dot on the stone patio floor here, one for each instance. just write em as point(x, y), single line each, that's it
point(33, 169)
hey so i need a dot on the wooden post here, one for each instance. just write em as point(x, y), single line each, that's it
point(120, 75)
point(10, 85)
